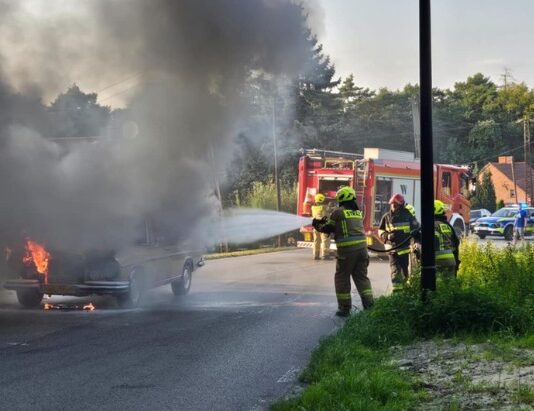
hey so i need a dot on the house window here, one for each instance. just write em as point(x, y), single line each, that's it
point(512, 193)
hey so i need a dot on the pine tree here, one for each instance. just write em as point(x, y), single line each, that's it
point(484, 196)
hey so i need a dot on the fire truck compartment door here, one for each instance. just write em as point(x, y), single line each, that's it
point(409, 188)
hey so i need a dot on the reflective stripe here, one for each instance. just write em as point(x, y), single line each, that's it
point(344, 228)
point(355, 214)
point(368, 291)
point(404, 227)
point(343, 296)
point(350, 241)
point(403, 251)
point(444, 255)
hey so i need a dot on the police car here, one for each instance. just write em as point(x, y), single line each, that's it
point(501, 223)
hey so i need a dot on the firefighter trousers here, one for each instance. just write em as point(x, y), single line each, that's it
point(321, 244)
point(353, 264)
point(398, 265)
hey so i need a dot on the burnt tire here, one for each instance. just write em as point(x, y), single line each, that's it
point(183, 285)
point(29, 298)
point(481, 236)
point(459, 229)
point(509, 233)
point(135, 293)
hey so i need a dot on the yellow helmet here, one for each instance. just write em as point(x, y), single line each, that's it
point(439, 207)
point(410, 208)
point(345, 194)
point(319, 198)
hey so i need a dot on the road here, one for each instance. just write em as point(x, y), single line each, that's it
point(236, 342)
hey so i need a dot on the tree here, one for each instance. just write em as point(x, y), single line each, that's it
point(484, 196)
point(77, 114)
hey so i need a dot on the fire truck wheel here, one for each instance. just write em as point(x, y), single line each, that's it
point(29, 298)
point(509, 233)
point(135, 292)
point(182, 286)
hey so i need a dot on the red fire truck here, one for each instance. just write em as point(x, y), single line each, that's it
point(375, 176)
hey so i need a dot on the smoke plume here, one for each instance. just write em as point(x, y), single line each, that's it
point(193, 57)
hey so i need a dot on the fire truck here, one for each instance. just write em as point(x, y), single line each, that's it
point(375, 176)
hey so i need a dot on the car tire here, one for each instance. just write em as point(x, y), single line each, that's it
point(481, 236)
point(509, 233)
point(183, 285)
point(135, 293)
point(29, 298)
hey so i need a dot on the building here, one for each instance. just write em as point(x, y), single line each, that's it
point(502, 177)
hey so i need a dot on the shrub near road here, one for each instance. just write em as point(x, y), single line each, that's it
point(492, 300)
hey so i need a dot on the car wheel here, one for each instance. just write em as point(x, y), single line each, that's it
point(481, 236)
point(509, 233)
point(183, 285)
point(133, 297)
point(29, 298)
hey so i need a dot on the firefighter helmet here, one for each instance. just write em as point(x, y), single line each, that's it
point(397, 199)
point(345, 194)
point(439, 207)
point(319, 198)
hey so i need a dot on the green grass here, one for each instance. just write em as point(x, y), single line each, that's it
point(492, 300)
point(241, 253)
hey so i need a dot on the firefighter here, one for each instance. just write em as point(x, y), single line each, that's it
point(396, 228)
point(346, 222)
point(321, 241)
point(446, 241)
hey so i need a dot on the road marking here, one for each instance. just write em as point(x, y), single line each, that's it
point(289, 376)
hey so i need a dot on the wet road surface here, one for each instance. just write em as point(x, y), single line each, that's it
point(236, 342)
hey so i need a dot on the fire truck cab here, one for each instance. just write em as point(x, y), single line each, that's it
point(375, 176)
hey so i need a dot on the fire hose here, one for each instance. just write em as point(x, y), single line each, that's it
point(401, 244)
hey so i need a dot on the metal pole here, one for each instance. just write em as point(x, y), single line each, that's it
point(428, 269)
point(276, 180)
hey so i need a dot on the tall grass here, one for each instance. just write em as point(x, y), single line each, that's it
point(263, 195)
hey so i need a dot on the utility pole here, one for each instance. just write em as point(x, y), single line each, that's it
point(428, 269)
point(276, 179)
point(416, 126)
point(528, 168)
point(513, 179)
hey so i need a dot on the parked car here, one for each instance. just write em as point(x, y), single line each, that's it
point(127, 274)
point(476, 214)
point(501, 223)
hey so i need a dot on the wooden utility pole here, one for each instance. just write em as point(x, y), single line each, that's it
point(528, 168)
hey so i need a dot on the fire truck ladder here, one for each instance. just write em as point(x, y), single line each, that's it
point(361, 172)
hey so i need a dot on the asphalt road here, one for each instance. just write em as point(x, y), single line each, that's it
point(236, 342)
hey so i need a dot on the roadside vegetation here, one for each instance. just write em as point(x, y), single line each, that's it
point(408, 354)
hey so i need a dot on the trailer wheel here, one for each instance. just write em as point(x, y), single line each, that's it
point(183, 285)
point(481, 236)
point(29, 298)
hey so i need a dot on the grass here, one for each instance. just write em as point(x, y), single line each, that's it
point(241, 253)
point(492, 300)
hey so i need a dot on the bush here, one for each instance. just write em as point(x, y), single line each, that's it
point(263, 195)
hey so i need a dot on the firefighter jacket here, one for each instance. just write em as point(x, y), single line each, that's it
point(346, 222)
point(446, 243)
point(396, 227)
point(318, 211)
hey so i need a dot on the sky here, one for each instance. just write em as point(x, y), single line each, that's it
point(377, 40)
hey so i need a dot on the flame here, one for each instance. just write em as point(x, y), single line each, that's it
point(89, 307)
point(48, 306)
point(38, 256)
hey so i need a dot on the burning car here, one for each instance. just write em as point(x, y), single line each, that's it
point(35, 271)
